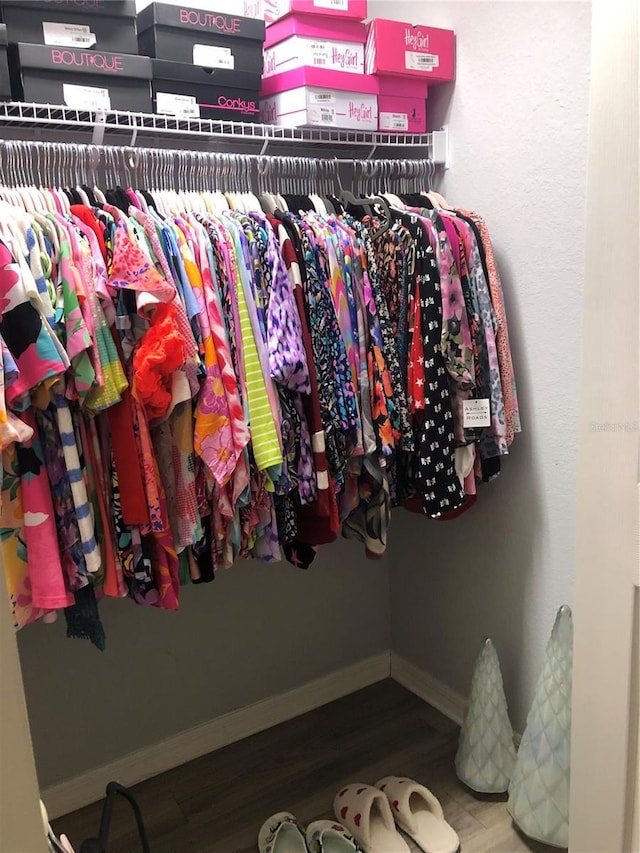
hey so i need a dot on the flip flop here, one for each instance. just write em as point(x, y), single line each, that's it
point(327, 836)
point(281, 833)
point(418, 813)
point(366, 813)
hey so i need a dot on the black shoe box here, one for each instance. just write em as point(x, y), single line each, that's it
point(39, 74)
point(112, 23)
point(224, 42)
point(5, 83)
point(215, 93)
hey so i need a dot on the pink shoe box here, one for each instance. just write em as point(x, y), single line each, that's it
point(407, 50)
point(319, 98)
point(328, 43)
point(402, 105)
point(354, 10)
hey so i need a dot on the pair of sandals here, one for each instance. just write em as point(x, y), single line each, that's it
point(283, 834)
point(369, 818)
point(374, 814)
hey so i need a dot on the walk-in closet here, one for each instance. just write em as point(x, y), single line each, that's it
point(319, 426)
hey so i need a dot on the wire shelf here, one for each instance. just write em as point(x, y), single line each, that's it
point(60, 118)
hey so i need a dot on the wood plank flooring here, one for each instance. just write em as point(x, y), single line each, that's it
point(217, 803)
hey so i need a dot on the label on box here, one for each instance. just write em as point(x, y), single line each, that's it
point(320, 55)
point(67, 35)
point(209, 56)
point(414, 61)
point(476, 413)
point(394, 121)
point(341, 5)
point(322, 98)
point(86, 97)
point(322, 115)
point(182, 106)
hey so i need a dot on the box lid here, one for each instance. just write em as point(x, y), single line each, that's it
point(311, 26)
point(184, 72)
point(199, 20)
point(342, 9)
point(401, 87)
point(387, 23)
point(71, 60)
point(248, 8)
point(319, 78)
point(113, 8)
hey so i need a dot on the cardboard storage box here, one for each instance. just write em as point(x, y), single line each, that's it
point(354, 10)
point(84, 79)
point(402, 104)
point(188, 91)
point(5, 82)
point(318, 98)
point(328, 43)
point(208, 39)
point(406, 50)
point(107, 25)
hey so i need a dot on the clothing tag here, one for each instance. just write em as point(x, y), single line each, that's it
point(67, 35)
point(86, 97)
point(476, 413)
point(394, 121)
point(208, 56)
point(322, 97)
point(342, 5)
point(420, 61)
point(182, 106)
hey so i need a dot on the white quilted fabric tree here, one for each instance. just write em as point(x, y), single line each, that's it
point(486, 753)
point(539, 790)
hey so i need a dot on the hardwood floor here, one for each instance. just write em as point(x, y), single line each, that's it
point(217, 803)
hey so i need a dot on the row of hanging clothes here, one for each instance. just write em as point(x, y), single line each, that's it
point(239, 358)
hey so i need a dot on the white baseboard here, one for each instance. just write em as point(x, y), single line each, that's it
point(433, 691)
point(137, 766)
point(152, 760)
point(427, 687)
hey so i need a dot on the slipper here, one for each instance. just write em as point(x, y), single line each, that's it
point(366, 813)
point(327, 836)
point(281, 834)
point(418, 813)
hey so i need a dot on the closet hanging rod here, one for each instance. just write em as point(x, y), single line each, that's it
point(133, 157)
point(11, 146)
point(42, 163)
point(51, 117)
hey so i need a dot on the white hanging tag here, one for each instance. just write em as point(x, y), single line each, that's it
point(476, 413)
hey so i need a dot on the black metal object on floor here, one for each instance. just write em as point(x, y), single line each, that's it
point(100, 844)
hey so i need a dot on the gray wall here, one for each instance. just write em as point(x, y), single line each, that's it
point(518, 120)
point(255, 632)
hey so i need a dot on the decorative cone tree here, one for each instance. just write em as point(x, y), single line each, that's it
point(539, 790)
point(486, 753)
